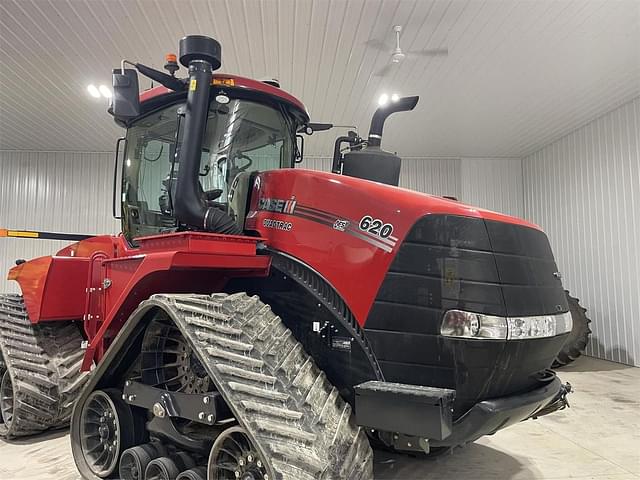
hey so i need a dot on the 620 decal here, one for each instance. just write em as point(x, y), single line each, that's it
point(375, 226)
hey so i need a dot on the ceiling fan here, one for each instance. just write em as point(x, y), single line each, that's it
point(398, 55)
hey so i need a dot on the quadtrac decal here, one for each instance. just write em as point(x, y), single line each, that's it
point(277, 224)
point(370, 229)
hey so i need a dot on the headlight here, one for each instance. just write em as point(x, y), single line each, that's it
point(458, 323)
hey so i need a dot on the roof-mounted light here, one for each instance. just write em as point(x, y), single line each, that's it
point(93, 90)
point(105, 91)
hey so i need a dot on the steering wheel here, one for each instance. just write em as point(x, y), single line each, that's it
point(243, 168)
point(235, 170)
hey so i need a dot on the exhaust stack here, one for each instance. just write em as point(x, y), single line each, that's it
point(373, 163)
point(404, 104)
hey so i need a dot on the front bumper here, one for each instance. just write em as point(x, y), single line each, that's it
point(426, 413)
point(489, 416)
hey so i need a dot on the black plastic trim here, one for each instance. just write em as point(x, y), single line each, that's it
point(325, 293)
point(408, 409)
point(489, 416)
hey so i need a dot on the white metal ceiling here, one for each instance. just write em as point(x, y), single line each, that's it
point(518, 73)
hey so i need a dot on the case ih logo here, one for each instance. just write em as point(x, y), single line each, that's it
point(277, 205)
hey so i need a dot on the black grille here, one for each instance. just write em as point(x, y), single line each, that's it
point(483, 266)
point(452, 262)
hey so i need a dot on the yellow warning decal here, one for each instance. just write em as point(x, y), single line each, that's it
point(193, 84)
point(229, 82)
point(18, 233)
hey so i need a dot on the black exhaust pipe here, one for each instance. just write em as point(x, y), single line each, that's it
point(373, 163)
point(201, 55)
point(403, 104)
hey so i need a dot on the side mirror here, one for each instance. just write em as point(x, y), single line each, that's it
point(125, 102)
point(299, 149)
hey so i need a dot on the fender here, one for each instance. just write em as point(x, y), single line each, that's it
point(319, 318)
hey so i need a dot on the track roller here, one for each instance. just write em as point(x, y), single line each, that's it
point(198, 473)
point(134, 461)
point(162, 468)
point(168, 468)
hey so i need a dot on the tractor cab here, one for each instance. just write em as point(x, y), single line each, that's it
point(242, 136)
point(188, 163)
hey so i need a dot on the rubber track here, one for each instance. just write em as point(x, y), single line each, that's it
point(44, 364)
point(579, 338)
point(295, 417)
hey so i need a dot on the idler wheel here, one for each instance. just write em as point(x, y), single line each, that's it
point(233, 455)
point(6, 400)
point(106, 429)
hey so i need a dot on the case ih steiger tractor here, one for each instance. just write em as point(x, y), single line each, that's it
point(260, 321)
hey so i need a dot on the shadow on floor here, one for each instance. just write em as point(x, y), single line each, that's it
point(473, 462)
point(35, 439)
point(591, 364)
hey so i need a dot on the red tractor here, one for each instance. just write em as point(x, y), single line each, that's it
point(260, 321)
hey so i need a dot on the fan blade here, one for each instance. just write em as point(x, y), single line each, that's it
point(378, 45)
point(430, 52)
point(385, 70)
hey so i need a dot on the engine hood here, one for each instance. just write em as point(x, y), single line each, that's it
point(347, 229)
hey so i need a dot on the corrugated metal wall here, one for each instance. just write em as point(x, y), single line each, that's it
point(584, 190)
point(52, 191)
point(493, 183)
point(437, 176)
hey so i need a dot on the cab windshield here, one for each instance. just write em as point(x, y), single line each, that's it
point(241, 136)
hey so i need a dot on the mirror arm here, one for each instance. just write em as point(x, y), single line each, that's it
point(162, 78)
point(126, 62)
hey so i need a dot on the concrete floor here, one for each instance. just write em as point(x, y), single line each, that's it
point(598, 438)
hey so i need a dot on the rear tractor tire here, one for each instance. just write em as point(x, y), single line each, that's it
point(40, 374)
point(578, 338)
point(282, 419)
